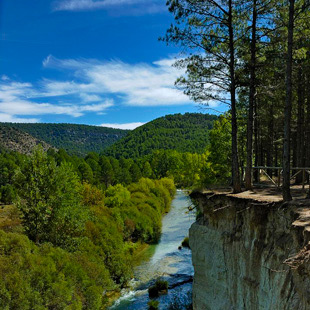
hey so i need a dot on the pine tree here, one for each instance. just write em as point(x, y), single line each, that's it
point(210, 30)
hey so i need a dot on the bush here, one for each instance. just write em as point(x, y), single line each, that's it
point(185, 243)
point(116, 196)
point(50, 201)
point(153, 305)
point(160, 287)
point(7, 194)
point(153, 292)
point(35, 276)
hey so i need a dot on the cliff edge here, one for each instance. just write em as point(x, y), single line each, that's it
point(250, 252)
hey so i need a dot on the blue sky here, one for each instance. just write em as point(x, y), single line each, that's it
point(87, 62)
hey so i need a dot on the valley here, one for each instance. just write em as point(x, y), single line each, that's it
point(83, 216)
point(155, 155)
point(165, 261)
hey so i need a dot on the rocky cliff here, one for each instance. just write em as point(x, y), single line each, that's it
point(250, 254)
point(12, 139)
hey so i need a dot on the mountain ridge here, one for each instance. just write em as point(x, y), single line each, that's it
point(182, 132)
point(75, 139)
point(12, 139)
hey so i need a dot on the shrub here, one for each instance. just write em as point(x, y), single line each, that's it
point(35, 276)
point(153, 292)
point(51, 201)
point(185, 243)
point(160, 287)
point(153, 305)
point(116, 196)
point(7, 194)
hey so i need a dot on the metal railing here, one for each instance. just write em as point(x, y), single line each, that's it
point(264, 169)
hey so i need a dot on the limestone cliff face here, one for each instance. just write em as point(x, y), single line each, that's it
point(240, 250)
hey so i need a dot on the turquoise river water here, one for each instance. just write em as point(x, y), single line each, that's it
point(165, 261)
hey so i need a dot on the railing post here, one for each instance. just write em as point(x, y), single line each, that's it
point(277, 182)
point(303, 180)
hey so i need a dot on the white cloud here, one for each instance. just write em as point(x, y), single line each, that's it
point(17, 99)
point(4, 77)
point(78, 5)
point(141, 6)
point(7, 118)
point(136, 84)
point(90, 97)
point(89, 90)
point(123, 126)
point(98, 107)
point(56, 88)
point(165, 63)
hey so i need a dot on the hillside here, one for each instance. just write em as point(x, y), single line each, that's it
point(13, 139)
point(184, 133)
point(75, 139)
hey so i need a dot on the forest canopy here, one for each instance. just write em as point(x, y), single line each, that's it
point(76, 139)
point(66, 241)
point(252, 56)
point(182, 133)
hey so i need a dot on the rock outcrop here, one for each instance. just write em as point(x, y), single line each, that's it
point(12, 139)
point(250, 254)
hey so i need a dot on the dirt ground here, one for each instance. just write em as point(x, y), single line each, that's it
point(264, 193)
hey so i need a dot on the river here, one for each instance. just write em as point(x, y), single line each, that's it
point(165, 261)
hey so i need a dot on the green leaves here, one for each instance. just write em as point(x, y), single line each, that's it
point(217, 170)
point(116, 196)
point(44, 277)
point(81, 241)
point(50, 201)
point(184, 133)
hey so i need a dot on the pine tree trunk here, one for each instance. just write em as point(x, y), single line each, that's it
point(250, 125)
point(256, 142)
point(307, 147)
point(234, 126)
point(307, 125)
point(288, 106)
point(276, 158)
point(293, 149)
point(300, 125)
point(269, 150)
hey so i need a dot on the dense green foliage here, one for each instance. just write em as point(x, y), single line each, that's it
point(10, 163)
point(187, 169)
point(254, 57)
point(50, 200)
point(76, 241)
point(183, 133)
point(83, 219)
point(75, 139)
point(45, 277)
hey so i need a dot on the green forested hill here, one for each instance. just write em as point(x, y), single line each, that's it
point(184, 133)
point(13, 139)
point(75, 139)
